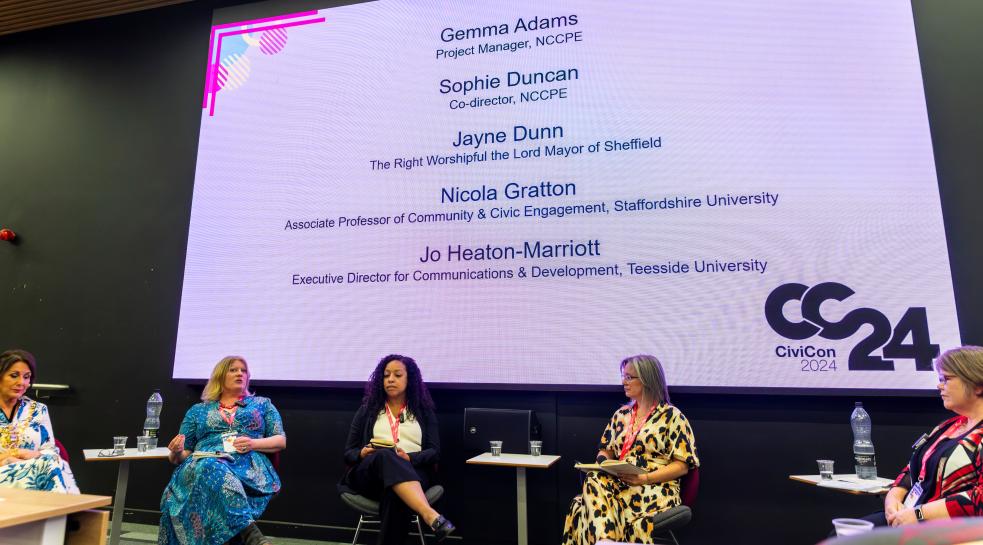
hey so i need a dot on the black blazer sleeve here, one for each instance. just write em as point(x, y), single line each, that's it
point(430, 454)
point(353, 447)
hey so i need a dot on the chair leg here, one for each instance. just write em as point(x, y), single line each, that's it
point(416, 518)
point(666, 537)
point(357, 530)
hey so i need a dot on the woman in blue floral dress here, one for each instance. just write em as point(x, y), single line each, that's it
point(28, 456)
point(224, 479)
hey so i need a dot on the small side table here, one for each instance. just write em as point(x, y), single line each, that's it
point(849, 483)
point(520, 462)
point(119, 501)
point(40, 518)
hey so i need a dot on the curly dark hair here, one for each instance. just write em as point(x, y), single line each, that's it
point(417, 396)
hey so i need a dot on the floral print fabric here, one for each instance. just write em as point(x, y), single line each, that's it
point(210, 500)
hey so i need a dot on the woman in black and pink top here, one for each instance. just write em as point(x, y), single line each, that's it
point(944, 478)
point(396, 410)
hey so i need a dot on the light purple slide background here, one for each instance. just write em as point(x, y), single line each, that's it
point(821, 104)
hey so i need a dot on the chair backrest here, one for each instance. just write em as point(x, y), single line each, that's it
point(62, 451)
point(274, 460)
point(690, 486)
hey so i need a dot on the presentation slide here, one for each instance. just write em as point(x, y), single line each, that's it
point(526, 192)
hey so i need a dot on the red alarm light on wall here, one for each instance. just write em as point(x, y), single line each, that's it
point(8, 235)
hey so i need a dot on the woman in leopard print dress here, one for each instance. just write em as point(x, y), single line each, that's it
point(650, 433)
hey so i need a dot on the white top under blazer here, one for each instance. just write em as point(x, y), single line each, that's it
point(410, 432)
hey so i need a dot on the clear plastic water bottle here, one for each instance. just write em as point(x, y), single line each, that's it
point(154, 406)
point(863, 447)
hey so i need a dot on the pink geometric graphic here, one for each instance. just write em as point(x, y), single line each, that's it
point(231, 71)
point(272, 41)
point(223, 75)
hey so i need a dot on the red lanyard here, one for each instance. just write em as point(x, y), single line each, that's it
point(928, 453)
point(228, 416)
point(632, 431)
point(394, 422)
point(229, 413)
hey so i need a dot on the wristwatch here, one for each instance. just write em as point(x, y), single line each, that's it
point(918, 513)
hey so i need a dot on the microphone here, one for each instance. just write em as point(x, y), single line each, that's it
point(402, 417)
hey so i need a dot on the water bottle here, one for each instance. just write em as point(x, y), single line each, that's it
point(863, 447)
point(154, 406)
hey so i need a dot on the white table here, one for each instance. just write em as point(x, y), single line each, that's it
point(520, 462)
point(119, 502)
point(849, 483)
point(29, 517)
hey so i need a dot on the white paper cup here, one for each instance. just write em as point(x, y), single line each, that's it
point(852, 527)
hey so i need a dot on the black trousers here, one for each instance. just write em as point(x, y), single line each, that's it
point(374, 477)
point(878, 518)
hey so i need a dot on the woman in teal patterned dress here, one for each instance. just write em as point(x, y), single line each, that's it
point(211, 500)
point(28, 456)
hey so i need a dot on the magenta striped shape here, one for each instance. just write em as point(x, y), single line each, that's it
point(273, 40)
point(223, 75)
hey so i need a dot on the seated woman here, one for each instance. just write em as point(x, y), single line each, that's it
point(944, 478)
point(28, 455)
point(211, 500)
point(396, 409)
point(649, 433)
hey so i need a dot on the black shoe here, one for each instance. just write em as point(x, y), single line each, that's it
point(251, 535)
point(442, 527)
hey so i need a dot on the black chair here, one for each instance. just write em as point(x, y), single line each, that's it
point(368, 509)
point(679, 516)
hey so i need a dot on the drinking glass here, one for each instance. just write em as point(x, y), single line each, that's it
point(825, 469)
point(119, 444)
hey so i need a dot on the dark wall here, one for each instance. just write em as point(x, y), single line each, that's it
point(98, 136)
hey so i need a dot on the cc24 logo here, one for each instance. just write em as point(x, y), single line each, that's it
point(862, 357)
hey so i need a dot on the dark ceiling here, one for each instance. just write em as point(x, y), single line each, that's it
point(21, 15)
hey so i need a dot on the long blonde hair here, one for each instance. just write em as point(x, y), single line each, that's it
point(213, 389)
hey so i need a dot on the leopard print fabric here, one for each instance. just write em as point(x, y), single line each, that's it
point(610, 508)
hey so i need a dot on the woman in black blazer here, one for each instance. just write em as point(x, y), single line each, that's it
point(393, 446)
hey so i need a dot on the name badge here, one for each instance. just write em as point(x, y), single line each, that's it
point(912, 498)
point(227, 439)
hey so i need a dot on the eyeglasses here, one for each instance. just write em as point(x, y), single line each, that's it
point(627, 378)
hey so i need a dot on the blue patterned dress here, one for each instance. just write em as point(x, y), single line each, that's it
point(30, 429)
point(210, 500)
